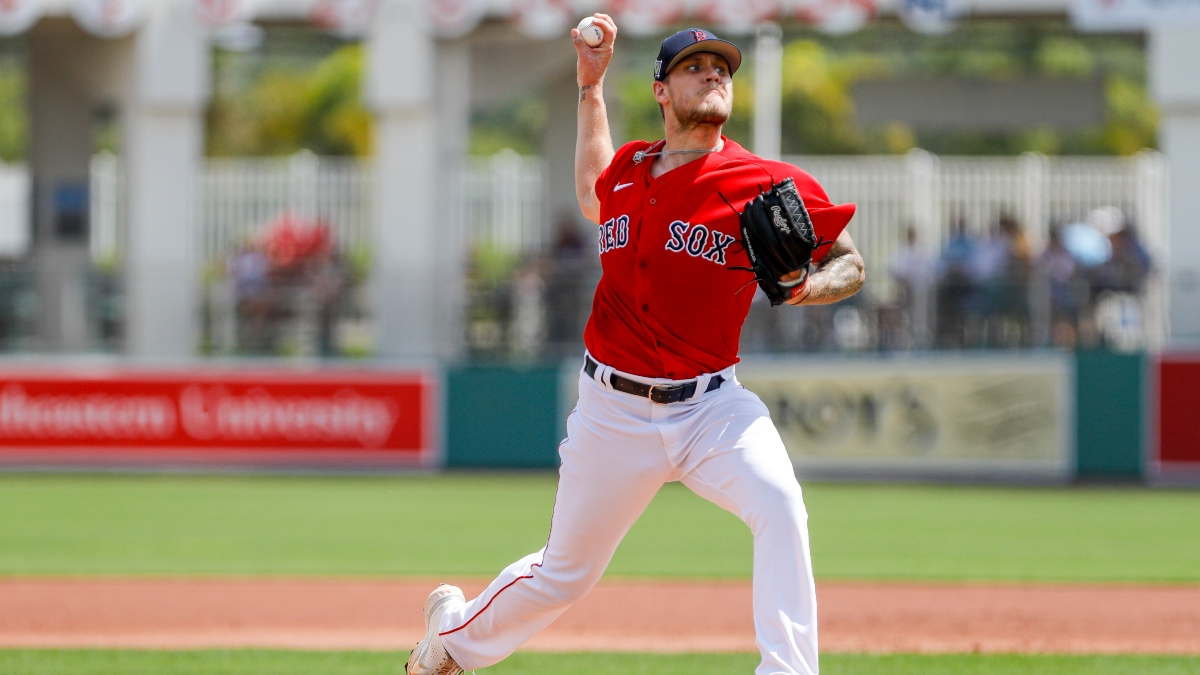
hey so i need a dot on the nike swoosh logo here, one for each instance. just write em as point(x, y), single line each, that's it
point(621, 186)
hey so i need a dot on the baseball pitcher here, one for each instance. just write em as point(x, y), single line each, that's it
point(688, 227)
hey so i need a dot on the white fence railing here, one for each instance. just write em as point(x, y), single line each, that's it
point(500, 202)
point(501, 197)
point(930, 192)
point(238, 198)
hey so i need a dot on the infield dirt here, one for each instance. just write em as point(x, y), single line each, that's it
point(616, 616)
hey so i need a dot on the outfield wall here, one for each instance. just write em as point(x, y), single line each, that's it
point(1090, 416)
point(1030, 417)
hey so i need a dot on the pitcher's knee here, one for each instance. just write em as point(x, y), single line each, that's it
point(774, 500)
point(565, 586)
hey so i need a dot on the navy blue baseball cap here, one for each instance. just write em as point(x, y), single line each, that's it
point(690, 41)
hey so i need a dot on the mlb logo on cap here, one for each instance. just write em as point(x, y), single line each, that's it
point(688, 42)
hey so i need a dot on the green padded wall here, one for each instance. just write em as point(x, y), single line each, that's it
point(1110, 415)
point(502, 417)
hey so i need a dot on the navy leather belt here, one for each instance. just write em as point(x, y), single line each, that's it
point(658, 393)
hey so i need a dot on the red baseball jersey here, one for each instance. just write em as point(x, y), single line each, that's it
point(671, 301)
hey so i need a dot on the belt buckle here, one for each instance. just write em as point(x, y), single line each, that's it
point(665, 391)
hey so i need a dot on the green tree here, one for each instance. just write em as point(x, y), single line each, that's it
point(517, 126)
point(818, 110)
point(14, 118)
point(286, 110)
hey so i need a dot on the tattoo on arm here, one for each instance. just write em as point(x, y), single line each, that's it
point(837, 277)
point(583, 92)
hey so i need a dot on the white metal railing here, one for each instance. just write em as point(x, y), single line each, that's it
point(238, 198)
point(929, 192)
point(501, 197)
point(500, 202)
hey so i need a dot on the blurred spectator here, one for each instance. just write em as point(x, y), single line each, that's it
point(988, 261)
point(248, 267)
point(570, 280)
point(1090, 248)
point(1086, 244)
point(956, 285)
point(915, 271)
point(289, 287)
point(987, 269)
point(327, 279)
point(1118, 283)
point(291, 241)
point(1064, 288)
point(1008, 321)
point(1082, 290)
point(1112, 266)
point(1126, 271)
point(527, 332)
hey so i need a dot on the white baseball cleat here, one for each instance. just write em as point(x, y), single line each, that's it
point(430, 657)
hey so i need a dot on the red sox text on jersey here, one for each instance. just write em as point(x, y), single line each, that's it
point(670, 303)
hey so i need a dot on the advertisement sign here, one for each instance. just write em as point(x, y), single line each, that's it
point(1178, 391)
point(217, 417)
point(1003, 417)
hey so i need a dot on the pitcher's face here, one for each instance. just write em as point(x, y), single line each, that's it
point(698, 91)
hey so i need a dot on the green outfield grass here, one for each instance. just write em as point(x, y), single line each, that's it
point(236, 662)
point(475, 524)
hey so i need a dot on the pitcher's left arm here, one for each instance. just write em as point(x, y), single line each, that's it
point(838, 276)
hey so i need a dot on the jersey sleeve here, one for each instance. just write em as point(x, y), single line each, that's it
point(624, 157)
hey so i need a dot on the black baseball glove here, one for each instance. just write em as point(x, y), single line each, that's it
point(779, 239)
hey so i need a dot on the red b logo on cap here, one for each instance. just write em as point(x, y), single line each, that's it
point(698, 35)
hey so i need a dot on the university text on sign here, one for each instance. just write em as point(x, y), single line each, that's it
point(384, 416)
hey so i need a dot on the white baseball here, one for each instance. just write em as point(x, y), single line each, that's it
point(590, 32)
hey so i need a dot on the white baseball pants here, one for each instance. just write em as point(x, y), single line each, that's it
point(620, 449)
